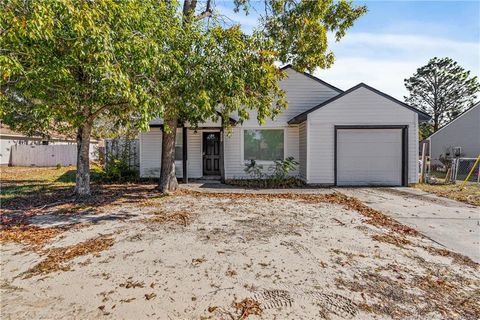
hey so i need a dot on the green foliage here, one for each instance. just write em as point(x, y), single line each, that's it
point(218, 67)
point(119, 170)
point(67, 62)
point(278, 178)
point(443, 89)
point(425, 129)
point(282, 168)
point(254, 170)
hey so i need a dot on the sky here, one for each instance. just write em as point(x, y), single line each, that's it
point(394, 38)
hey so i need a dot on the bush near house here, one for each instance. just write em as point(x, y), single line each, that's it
point(276, 176)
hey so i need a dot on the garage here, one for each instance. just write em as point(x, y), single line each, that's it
point(370, 155)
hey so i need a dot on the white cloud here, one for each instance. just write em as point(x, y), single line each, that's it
point(385, 60)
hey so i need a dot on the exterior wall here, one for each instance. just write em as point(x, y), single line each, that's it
point(360, 107)
point(234, 163)
point(151, 150)
point(463, 132)
point(302, 148)
point(302, 94)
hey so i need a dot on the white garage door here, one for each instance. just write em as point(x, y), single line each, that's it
point(369, 157)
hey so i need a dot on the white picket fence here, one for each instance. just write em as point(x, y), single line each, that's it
point(45, 155)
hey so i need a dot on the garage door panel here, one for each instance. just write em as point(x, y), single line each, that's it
point(369, 157)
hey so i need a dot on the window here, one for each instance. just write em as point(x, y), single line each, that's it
point(263, 145)
point(179, 145)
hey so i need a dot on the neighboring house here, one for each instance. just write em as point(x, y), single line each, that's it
point(13, 150)
point(460, 137)
point(356, 137)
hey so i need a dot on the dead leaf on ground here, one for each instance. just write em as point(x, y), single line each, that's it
point(247, 307)
point(178, 217)
point(29, 235)
point(132, 284)
point(150, 296)
point(57, 257)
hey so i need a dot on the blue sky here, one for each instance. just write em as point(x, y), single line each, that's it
point(394, 38)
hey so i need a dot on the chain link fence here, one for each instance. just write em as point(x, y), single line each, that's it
point(454, 170)
point(462, 168)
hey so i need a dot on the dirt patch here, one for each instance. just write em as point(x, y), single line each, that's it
point(57, 258)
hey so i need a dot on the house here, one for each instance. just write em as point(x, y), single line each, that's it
point(356, 137)
point(21, 150)
point(460, 137)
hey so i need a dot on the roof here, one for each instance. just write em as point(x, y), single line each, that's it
point(289, 66)
point(6, 132)
point(475, 105)
point(303, 116)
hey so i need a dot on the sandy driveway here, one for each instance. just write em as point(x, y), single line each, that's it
point(226, 256)
point(452, 224)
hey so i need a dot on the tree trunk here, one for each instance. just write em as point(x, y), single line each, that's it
point(82, 181)
point(168, 180)
point(435, 123)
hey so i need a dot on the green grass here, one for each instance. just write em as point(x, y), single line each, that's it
point(19, 181)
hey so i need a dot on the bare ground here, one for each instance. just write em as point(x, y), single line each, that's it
point(227, 256)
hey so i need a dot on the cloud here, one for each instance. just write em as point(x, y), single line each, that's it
point(385, 60)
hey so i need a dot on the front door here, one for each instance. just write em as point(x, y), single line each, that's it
point(211, 153)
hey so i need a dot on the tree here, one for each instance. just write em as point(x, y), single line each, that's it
point(67, 63)
point(221, 69)
point(443, 89)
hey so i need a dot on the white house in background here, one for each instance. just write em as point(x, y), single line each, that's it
point(356, 137)
point(459, 137)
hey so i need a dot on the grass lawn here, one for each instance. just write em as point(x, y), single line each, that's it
point(21, 181)
point(470, 194)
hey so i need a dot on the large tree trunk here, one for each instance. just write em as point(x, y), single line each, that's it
point(82, 186)
point(168, 180)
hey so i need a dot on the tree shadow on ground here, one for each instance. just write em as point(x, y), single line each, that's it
point(57, 205)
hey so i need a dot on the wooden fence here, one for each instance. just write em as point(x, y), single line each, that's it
point(46, 155)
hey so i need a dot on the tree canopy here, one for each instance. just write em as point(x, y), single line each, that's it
point(221, 69)
point(66, 63)
point(443, 89)
point(71, 64)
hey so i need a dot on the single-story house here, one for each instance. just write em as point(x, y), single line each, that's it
point(460, 137)
point(360, 136)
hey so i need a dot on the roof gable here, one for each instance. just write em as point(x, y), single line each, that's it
point(289, 66)
point(303, 116)
point(475, 105)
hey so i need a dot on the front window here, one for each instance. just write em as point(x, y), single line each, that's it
point(179, 145)
point(263, 145)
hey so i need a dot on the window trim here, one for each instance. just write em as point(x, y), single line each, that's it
point(261, 162)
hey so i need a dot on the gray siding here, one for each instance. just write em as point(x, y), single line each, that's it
point(150, 154)
point(302, 154)
point(360, 107)
point(302, 93)
point(463, 132)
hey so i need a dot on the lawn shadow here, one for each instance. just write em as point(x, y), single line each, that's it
point(58, 205)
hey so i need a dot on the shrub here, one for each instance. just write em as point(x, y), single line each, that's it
point(278, 177)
